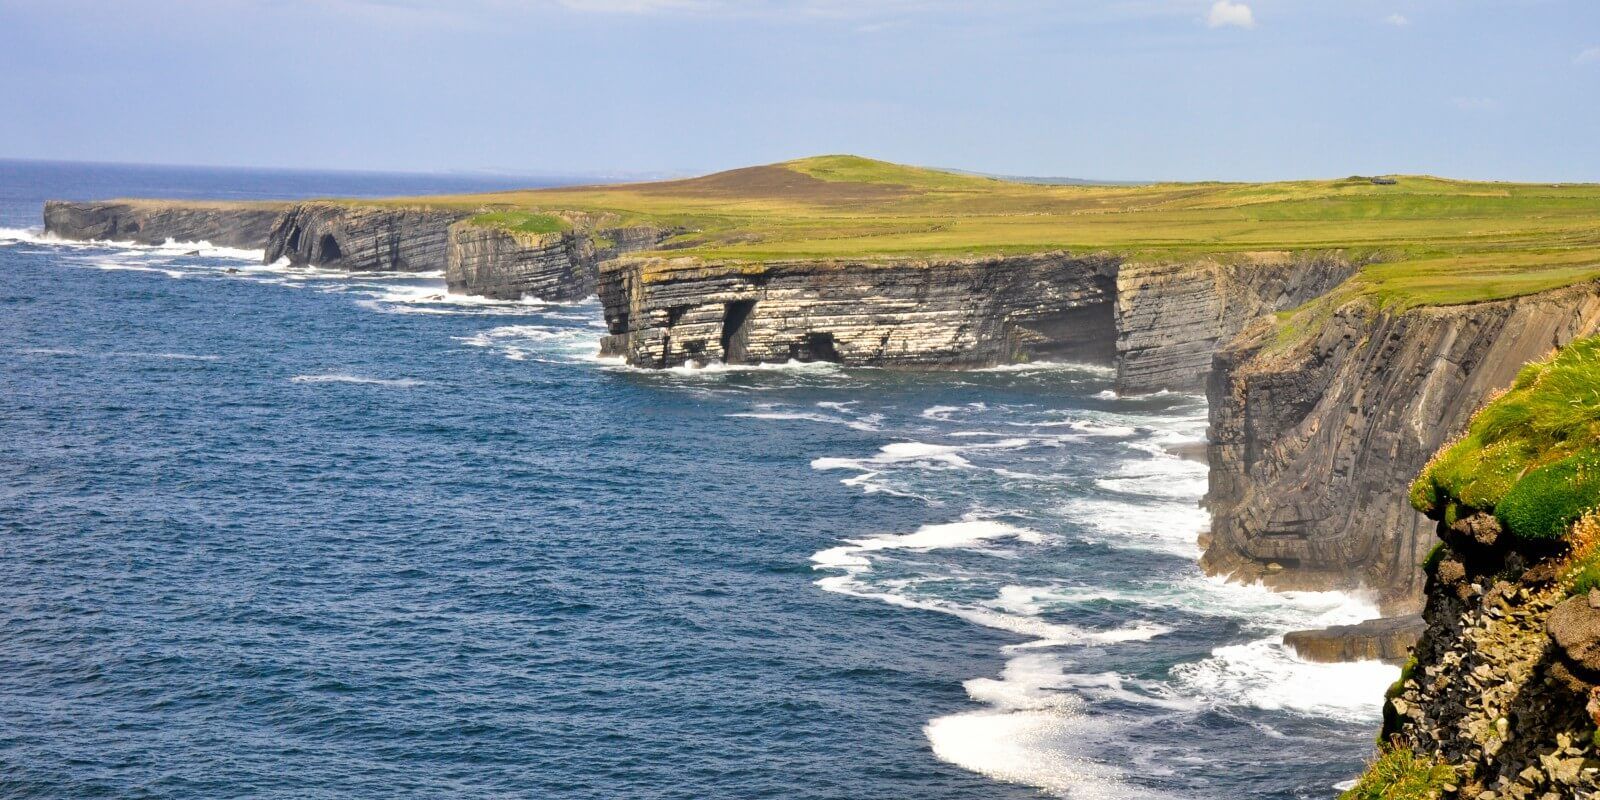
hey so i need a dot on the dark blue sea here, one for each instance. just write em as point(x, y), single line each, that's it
point(296, 533)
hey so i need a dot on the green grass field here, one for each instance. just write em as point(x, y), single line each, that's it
point(1434, 241)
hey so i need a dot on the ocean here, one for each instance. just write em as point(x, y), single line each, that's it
point(287, 532)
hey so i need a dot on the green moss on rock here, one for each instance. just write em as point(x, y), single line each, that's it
point(1400, 774)
point(1532, 456)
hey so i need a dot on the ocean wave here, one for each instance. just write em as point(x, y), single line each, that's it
point(338, 377)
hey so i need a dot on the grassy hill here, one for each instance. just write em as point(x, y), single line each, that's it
point(1436, 241)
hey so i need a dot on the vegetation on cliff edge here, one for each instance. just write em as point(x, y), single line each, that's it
point(1532, 455)
point(1400, 774)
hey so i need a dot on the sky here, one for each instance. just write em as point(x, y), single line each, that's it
point(1108, 89)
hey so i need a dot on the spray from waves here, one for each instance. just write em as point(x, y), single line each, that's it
point(339, 377)
point(544, 343)
point(13, 236)
point(1046, 721)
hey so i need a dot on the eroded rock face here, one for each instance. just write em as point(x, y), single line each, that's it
point(956, 313)
point(554, 266)
point(1313, 447)
point(363, 238)
point(243, 225)
point(1171, 318)
point(1490, 692)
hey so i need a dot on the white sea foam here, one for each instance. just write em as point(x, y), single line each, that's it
point(546, 343)
point(1098, 370)
point(1033, 733)
point(869, 423)
point(337, 377)
point(1265, 674)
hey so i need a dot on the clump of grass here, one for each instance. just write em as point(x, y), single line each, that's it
point(1398, 773)
point(1531, 455)
point(1582, 570)
point(521, 222)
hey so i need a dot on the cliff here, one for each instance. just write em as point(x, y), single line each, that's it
point(1502, 697)
point(1318, 422)
point(508, 264)
point(243, 225)
point(947, 313)
point(476, 259)
point(1160, 324)
point(363, 238)
point(1172, 317)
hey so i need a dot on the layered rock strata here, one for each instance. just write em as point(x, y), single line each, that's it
point(1172, 318)
point(1313, 442)
point(363, 238)
point(243, 225)
point(508, 265)
point(1387, 639)
point(952, 313)
point(1505, 686)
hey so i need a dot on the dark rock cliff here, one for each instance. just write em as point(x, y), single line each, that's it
point(1172, 318)
point(954, 313)
point(242, 225)
point(551, 266)
point(1313, 444)
point(363, 238)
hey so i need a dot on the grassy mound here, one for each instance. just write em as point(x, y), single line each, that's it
point(1429, 241)
point(1400, 774)
point(1532, 456)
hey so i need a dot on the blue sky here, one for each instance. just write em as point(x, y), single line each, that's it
point(1119, 89)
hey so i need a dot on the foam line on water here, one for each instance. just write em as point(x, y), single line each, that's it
point(339, 377)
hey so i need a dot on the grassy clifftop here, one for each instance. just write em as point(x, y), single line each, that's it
point(1532, 456)
point(1436, 241)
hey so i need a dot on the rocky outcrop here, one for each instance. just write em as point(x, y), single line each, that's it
point(1172, 317)
point(508, 265)
point(364, 238)
point(242, 225)
point(905, 313)
point(1501, 688)
point(1314, 441)
point(1387, 639)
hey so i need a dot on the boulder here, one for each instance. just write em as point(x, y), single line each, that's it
point(1385, 639)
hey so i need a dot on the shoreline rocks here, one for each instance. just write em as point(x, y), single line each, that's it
point(1387, 639)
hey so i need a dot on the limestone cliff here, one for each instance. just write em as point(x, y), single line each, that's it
point(1314, 441)
point(1172, 317)
point(363, 238)
point(947, 313)
point(242, 225)
point(508, 265)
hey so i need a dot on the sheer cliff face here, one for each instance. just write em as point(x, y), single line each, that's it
point(245, 226)
point(1312, 446)
point(359, 238)
point(554, 266)
point(942, 314)
point(1172, 318)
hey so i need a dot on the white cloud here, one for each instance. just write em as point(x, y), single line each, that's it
point(1475, 103)
point(1589, 56)
point(1224, 13)
point(1397, 20)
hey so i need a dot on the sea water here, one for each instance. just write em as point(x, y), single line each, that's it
point(276, 531)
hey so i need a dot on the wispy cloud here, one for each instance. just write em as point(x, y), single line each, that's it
point(1589, 56)
point(1397, 20)
point(1225, 14)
